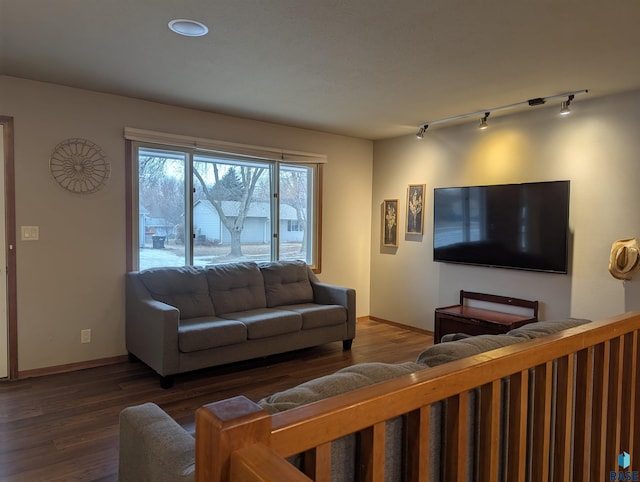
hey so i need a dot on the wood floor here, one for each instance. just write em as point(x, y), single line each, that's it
point(65, 427)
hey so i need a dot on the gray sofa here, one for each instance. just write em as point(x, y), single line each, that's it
point(153, 447)
point(181, 319)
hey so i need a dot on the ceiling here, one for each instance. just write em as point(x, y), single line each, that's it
point(366, 68)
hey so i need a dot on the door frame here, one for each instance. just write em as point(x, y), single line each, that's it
point(10, 236)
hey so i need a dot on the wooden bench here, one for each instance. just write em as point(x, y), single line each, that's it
point(463, 318)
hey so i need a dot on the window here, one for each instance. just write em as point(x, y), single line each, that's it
point(199, 206)
point(294, 225)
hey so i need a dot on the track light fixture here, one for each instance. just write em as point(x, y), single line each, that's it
point(483, 121)
point(564, 107)
point(485, 112)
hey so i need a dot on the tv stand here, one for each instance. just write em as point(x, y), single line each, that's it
point(470, 320)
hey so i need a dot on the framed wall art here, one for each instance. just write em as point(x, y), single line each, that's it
point(79, 166)
point(390, 222)
point(415, 209)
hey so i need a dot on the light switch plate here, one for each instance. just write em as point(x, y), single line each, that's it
point(30, 233)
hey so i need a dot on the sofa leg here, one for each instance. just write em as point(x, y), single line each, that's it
point(346, 344)
point(166, 382)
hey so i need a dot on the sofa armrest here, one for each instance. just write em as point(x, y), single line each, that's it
point(151, 328)
point(153, 447)
point(327, 294)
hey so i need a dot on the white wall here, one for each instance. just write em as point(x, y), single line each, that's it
point(597, 148)
point(73, 278)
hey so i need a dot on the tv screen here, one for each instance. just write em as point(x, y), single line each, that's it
point(522, 226)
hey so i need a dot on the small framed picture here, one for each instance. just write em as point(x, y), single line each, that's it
point(415, 209)
point(390, 222)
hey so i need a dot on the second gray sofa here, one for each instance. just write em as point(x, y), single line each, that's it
point(153, 447)
point(180, 319)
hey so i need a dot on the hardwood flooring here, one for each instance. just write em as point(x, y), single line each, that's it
point(64, 427)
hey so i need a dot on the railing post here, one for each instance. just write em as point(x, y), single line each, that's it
point(541, 426)
point(224, 427)
point(583, 411)
point(517, 429)
point(456, 436)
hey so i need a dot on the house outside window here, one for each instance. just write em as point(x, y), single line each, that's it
point(194, 205)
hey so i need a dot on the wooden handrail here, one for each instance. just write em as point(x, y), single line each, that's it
point(592, 359)
point(258, 463)
point(367, 406)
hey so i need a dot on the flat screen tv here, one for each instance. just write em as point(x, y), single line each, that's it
point(521, 226)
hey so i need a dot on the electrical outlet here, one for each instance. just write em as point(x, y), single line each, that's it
point(85, 336)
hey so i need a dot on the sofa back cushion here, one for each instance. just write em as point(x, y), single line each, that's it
point(342, 381)
point(455, 350)
point(286, 283)
point(541, 328)
point(184, 287)
point(236, 287)
point(461, 345)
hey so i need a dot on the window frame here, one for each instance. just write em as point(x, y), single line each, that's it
point(136, 139)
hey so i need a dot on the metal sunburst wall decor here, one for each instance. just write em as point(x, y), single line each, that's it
point(79, 166)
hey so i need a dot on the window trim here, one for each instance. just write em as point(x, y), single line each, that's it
point(139, 137)
point(223, 147)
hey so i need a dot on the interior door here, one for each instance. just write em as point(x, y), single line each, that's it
point(4, 347)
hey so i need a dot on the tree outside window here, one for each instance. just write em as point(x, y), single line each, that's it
point(211, 209)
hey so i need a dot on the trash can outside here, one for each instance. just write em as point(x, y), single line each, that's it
point(158, 242)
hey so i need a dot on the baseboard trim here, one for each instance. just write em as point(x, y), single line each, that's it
point(71, 367)
point(400, 325)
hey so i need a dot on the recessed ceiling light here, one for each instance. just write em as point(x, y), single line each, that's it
point(188, 28)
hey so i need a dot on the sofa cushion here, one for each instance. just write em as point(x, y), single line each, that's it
point(236, 287)
point(455, 350)
point(454, 337)
point(317, 316)
point(541, 328)
point(266, 322)
point(184, 287)
point(286, 283)
point(209, 332)
point(342, 381)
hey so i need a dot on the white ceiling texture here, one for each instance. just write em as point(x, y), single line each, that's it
point(366, 68)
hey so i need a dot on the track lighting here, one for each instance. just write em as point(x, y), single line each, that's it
point(564, 106)
point(536, 101)
point(564, 109)
point(483, 121)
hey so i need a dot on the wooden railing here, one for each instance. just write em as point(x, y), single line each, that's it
point(572, 404)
